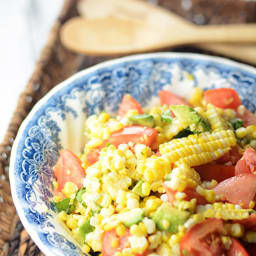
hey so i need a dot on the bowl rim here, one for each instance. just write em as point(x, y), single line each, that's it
point(31, 231)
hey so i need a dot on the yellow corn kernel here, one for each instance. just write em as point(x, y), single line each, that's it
point(251, 204)
point(57, 199)
point(153, 204)
point(120, 230)
point(250, 237)
point(145, 189)
point(62, 216)
point(241, 132)
point(155, 240)
point(69, 189)
point(138, 230)
point(251, 128)
point(197, 97)
point(164, 249)
point(226, 241)
point(236, 230)
point(55, 185)
point(229, 113)
point(85, 248)
point(104, 117)
point(71, 222)
point(215, 119)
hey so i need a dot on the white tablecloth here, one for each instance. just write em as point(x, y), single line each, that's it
point(24, 28)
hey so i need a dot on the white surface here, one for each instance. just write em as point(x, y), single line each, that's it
point(24, 27)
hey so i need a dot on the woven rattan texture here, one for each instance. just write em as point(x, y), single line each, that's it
point(56, 64)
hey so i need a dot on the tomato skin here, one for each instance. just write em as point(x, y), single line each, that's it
point(251, 248)
point(240, 189)
point(68, 168)
point(249, 223)
point(195, 240)
point(232, 156)
point(109, 236)
point(129, 103)
point(216, 172)
point(248, 118)
point(108, 250)
point(169, 98)
point(223, 98)
point(236, 249)
point(135, 134)
point(93, 156)
point(247, 164)
point(190, 194)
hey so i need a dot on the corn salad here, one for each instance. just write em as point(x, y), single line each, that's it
point(143, 185)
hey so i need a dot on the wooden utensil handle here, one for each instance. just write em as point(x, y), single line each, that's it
point(241, 52)
point(243, 33)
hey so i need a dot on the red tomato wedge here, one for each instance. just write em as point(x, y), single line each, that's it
point(190, 192)
point(135, 134)
point(109, 236)
point(170, 98)
point(223, 98)
point(232, 156)
point(203, 239)
point(108, 250)
point(129, 103)
point(247, 164)
point(216, 172)
point(248, 118)
point(249, 223)
point(68, 168)
point(251, 248)
point(93, 156)
point(240, 189)
point(236, 249)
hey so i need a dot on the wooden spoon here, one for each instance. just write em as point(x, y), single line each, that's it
point(132, 26)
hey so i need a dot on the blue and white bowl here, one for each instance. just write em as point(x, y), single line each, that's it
point(57, 122)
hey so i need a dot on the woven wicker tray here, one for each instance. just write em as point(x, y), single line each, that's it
point(55, 64)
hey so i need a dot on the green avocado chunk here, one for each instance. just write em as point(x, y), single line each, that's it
point(138, 188)
point(84, 229)
point(131, 217)
point(189, 116)
point(143, 119)
point(166, 116)
point(169, 218)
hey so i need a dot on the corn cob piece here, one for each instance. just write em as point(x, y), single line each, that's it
point(224, 211)
point(216, 121)
point(202, 138)
point(199, 149)
point(203, 158)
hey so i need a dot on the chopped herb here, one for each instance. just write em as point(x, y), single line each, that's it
point(183, 133)
point(204, 124)
point(62, 205)
point(236, 123)
point(107, 144)
point(79, 195)
point(72, 207)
